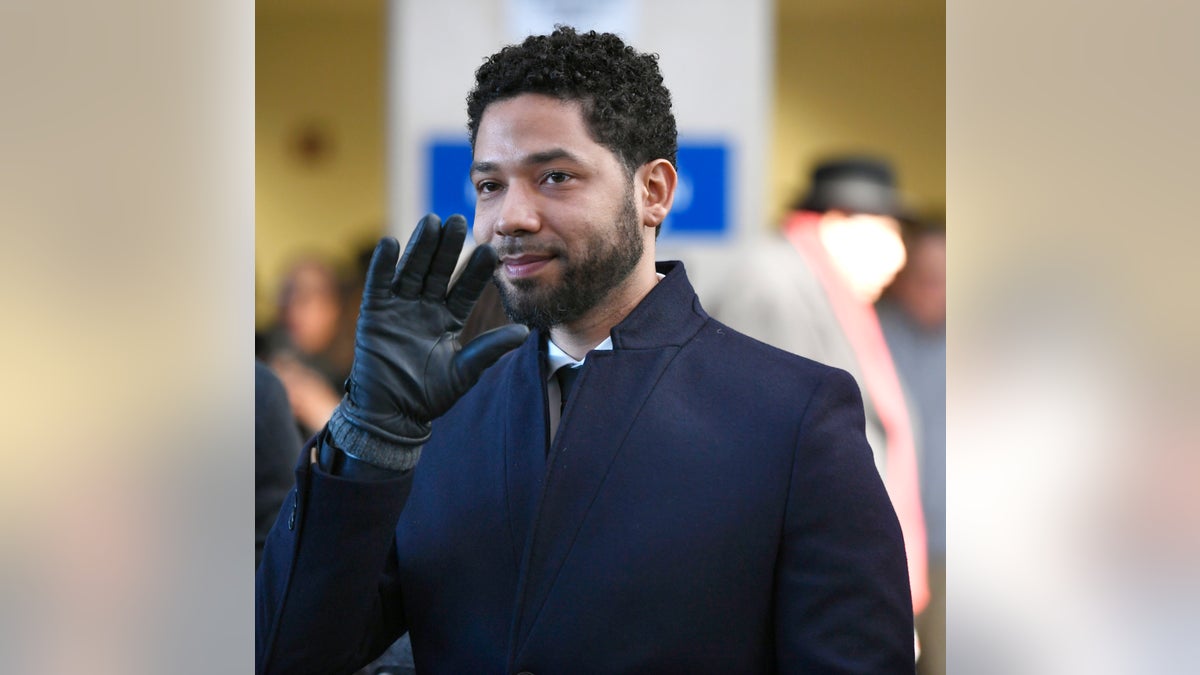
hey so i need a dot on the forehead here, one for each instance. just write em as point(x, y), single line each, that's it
point(531, 123)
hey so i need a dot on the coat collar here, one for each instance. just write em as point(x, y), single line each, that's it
point(670, 313)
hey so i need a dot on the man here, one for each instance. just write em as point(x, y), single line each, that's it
point(706, 503)
point(811, 293)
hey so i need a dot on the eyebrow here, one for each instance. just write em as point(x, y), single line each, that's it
point(532, 159)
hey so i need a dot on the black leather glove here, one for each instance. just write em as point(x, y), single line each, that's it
point(409, 367)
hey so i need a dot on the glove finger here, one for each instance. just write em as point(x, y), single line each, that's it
point(378, 283)
point(418, 255)
point(470, 284)
point(454, 233)
point(484, 350)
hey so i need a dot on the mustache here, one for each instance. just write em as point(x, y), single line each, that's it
point(516, 247)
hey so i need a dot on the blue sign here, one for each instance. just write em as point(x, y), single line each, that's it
point(701, 198)
point(449, 189)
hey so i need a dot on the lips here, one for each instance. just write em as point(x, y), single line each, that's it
point(524, 265)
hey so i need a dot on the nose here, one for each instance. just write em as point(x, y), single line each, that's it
point(517, 211)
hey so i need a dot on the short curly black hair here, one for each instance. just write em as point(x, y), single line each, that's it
point(625, 105)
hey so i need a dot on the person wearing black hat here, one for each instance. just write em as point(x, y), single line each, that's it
point(859, 223)
point(811, 292)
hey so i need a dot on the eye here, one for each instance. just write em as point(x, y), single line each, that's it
point(557, 177)
point(486, 186)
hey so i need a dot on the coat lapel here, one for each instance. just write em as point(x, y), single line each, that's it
point(525, 438)
point(610, 392)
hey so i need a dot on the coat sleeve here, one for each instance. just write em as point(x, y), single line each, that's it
point(327, 596)
point(842, 596)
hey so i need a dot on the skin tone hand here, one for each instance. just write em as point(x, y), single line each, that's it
point(311, 398)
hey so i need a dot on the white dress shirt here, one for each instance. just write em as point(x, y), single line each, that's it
point(557, 358)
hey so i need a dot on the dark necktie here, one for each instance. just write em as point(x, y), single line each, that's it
point(566, 380)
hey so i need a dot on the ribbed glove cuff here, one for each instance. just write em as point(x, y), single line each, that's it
point(372, 445)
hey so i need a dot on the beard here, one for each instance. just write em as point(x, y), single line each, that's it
point(604, 261)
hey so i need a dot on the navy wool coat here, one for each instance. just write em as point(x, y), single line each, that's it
point(709, 505)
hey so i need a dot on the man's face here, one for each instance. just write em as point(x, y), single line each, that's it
point(557, 206)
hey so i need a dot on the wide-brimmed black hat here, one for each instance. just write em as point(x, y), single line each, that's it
point(855, 185)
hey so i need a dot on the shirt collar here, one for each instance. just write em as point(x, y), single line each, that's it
point(557, 358)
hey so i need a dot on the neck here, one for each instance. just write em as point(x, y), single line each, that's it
point(581, 336)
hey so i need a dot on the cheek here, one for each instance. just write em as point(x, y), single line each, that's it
point(489, 212)
point(482, 226)
point(479, 234)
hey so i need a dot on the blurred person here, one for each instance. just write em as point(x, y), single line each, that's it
point(630, 486)
point(810, 288)
point(912, 313)
point(311, 346)
point(311, 305)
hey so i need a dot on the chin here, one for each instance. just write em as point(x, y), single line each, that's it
point(522, 285)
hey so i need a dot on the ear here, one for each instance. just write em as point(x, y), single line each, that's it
point(657, 180)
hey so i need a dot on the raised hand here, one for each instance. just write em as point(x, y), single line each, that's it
point(409, 367)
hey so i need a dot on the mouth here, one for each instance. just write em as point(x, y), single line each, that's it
point(521, 266)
